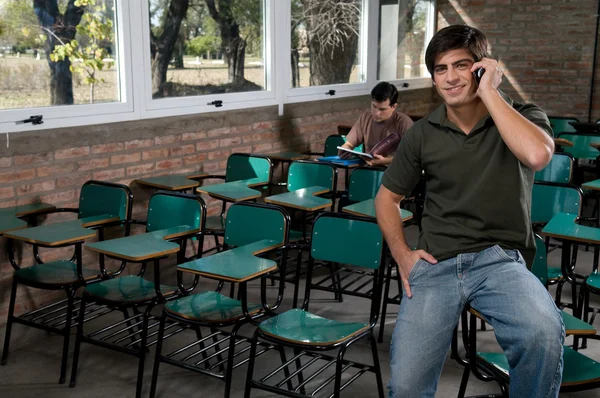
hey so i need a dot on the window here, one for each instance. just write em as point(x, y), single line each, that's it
point(405, 27)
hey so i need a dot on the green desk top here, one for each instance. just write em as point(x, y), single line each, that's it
point(563, 226)
point(303, 199)
point(59, 233)
point(366, 208)
point(235, 265)
point(576, 326)
point(236, 191)
point(9, 220)
point(593, 185)
point(143, 246)
point(170, 183)
point(287, 156)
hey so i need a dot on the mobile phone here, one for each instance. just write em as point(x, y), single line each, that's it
point(477, 75)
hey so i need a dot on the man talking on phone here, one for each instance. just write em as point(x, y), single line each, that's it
point(378, 124)
point(479, 151)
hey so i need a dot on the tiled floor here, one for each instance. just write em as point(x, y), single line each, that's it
point(32, 370)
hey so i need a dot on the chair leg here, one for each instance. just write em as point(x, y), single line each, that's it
point(142, 353)
point(78, 337)
point(67, 335)
point(463, 382)
point(385, 297)
point(9, 321)
point(251, 360)
point(559, 287)
point(161, 333)
point(286, 372)
point(297, 279)
point(230, 358)
point(376, 365)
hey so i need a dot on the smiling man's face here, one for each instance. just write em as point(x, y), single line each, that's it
point(453, 78)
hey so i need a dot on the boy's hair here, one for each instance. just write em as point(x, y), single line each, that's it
point(455, 37)
point(384, 91)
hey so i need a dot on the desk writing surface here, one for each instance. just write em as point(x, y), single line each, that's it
point(563, 142)
point(236, 191)
point(135, 247)
point(575, 325)
point(303, 199)
point(53, 234)
point(287, 156)
point(563, 226)
point(24, 210)
point(174, 232)
point(10, 223)
point(235, 265)
point(593, 185)
point(366, 208)
point(170, 183)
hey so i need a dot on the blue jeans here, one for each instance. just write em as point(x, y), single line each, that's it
point(496, 282)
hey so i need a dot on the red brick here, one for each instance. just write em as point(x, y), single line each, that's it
point(241, 129)
point(17, 175)
point(167, 139)
point(210, 167)
point(60, 197)
point(183, 150)
point(134, 144)
point(155, 154)
point(71, 153)
point(199, 158)
point(140, 169)
point(6, 162)
point(193, 136)
point(216, 155)
point(106, 175)
point(168, 164)
point(93, 164)
point(242, 149)
point(207, 145)
point(55, 170)
point(126, 158)
point(7, 192)
point(4, 205)
point(219, 132)
point(32, 158)
point(578, 65)
point(225, 142)
point(262, 126)
point(108, 148)
point(76, 180)
point(265, 146)
point(36, 187)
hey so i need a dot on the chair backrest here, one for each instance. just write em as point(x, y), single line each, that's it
point(172, 209)
point(100, 197)
point(251, 222)
point(331, 144)
point(304, 174)
point(243, 166)
point(581, 148)
point(561, 124)
point(559, 170)
point(549, 199)
point(364, 183)
point(540, 262)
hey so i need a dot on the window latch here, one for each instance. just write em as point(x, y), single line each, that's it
point(217, 103)
point(35, 120)
point(330, 92)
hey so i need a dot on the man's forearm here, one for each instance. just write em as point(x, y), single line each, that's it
point(528, 142)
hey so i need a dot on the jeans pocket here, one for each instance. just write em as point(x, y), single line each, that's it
point(508, 255)
point(415, 269)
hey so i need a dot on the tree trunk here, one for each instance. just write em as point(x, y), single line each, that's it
point(332, 64)
point(165, 44)
point(232, 45)
point(59, 29)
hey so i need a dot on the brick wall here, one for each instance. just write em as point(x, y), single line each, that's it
point(546, 48)
point(51, 165)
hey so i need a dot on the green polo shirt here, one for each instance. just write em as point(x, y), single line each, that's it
point(478, 192)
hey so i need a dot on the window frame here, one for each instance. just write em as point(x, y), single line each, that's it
point(133, 27)
point(85, 114)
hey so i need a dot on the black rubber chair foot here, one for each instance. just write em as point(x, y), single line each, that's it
point(72, 384)
point(3, 362)
point(61, 381)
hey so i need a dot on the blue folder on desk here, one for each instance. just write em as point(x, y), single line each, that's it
point(338, 160)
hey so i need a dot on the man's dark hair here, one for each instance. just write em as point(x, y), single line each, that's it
point(454, 37)
point(385, 91)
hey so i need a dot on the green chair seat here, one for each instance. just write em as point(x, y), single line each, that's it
point(575, 324)
point(211, 307)
point(302, 327)
point(61, 272)
point(577, 368)
point(126, 289)
point(593, 280)
point(215, 222)
point(554, 273)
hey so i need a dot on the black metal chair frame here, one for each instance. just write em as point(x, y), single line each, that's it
point(316, 353)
